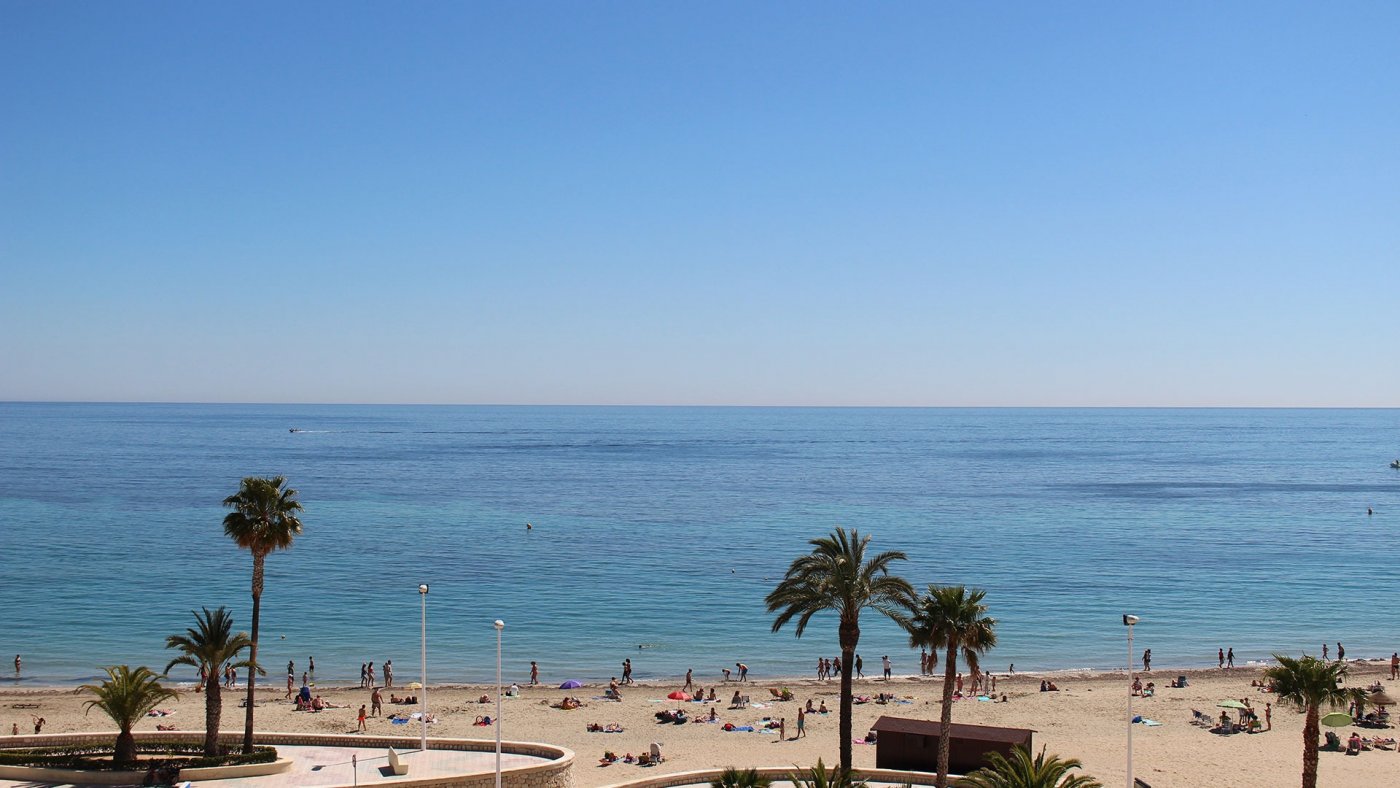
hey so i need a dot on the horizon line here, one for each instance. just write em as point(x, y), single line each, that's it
point(692, 405)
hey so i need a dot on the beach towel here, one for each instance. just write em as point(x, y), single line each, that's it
point(398, 721)
point(1151, 723)
point(745, 728)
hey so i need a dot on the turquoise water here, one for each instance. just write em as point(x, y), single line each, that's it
point(665, 527)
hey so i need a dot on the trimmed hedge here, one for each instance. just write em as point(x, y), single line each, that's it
point(180, 755)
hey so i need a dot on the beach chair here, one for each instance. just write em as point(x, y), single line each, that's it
point(396, 766)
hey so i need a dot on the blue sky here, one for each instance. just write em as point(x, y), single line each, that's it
point(748, 203)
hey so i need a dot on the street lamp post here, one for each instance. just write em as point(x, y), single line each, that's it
point(500, 625)
point(1129, 621)
point(423, 665)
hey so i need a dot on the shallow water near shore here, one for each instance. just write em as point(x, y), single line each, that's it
point(665, 527)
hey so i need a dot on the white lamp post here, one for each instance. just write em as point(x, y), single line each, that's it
point(1128, 621)
point(423, 665)
point(500, 625)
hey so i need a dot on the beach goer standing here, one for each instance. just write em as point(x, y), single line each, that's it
point(860, 673)
point(534, 673)
point(959, 684)
point(291, 668)
point(362, 727)
point(364, 676)
point(821, 668)
point(291, 682)
point(388, 674)
point(923, 662)
point(801, 722)
point(627, 671)
point(1230, 658)
point(689, 685)
point(836, 667)
point(311, 665)
point(372, 682)
point(14, 729)
point(303, 678)
point(1147, 660)
point(1268, 716)
point(885, 660)
point(1394, 664)
point(17, 663)
point(743, 671)
point(1221, 654)
point(782, 729)
point(376, 702)
point(1341, 652)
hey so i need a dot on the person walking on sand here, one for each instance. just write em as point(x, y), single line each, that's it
point(1147, 660)
point(364, 676)
point(372, 682)
point(627, 671)
point(388, 674)
point(1341, 652)
point(1324, 651)
point(689, 684)
point(362, 728)
point(1230, 658)
point(743, 671)
point(860, 674)
point(14, 729)
point(1221, 654)
point(534, 674)
point(376, 703)
point(801, 722)
point(782, 728)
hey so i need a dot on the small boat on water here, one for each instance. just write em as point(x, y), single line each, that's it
point(294, 429)
point(1395, 463)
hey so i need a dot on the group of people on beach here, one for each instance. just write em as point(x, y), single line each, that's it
point(367, 676)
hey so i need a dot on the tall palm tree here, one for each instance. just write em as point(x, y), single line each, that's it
point(210, 645)
point(1022, 771)
point(264, 519)
point(1311, 683)
point(837, 577)
point(126, 695)
point(952, 618)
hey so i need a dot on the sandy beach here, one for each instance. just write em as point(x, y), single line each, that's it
point(1082, 720)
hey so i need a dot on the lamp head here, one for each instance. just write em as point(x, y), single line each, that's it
point(423, 589)
point(1129, 620)
point(499, 625)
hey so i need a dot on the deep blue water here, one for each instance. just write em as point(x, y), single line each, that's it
point(667, 526)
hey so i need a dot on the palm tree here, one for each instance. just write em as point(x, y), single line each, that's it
point(740, 778)
point(822, 777)
point(210, 645)
point(1311, 683)
point(264, 518)
point(952, 618)
point(836, 576)
point(126, 696)
point(1021, 771)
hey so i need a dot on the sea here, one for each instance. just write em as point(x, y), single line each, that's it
point(656, 532)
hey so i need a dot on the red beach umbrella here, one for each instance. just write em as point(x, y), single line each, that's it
point(679, 695)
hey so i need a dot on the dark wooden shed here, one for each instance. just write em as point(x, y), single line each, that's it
point(912, 745)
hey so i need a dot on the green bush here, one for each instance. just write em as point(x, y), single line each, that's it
point(176, 755)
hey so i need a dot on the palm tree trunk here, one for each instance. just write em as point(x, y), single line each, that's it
point(850, 636)
point(253, 651)
point(1310, 730)
point(213, 710)
point(126, 747)
point(945, 718)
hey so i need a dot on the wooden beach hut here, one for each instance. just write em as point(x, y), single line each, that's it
point(912, 745)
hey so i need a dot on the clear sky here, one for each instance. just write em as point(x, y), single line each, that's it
point(924, 203)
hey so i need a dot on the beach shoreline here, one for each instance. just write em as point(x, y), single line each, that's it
point(1083, 720)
